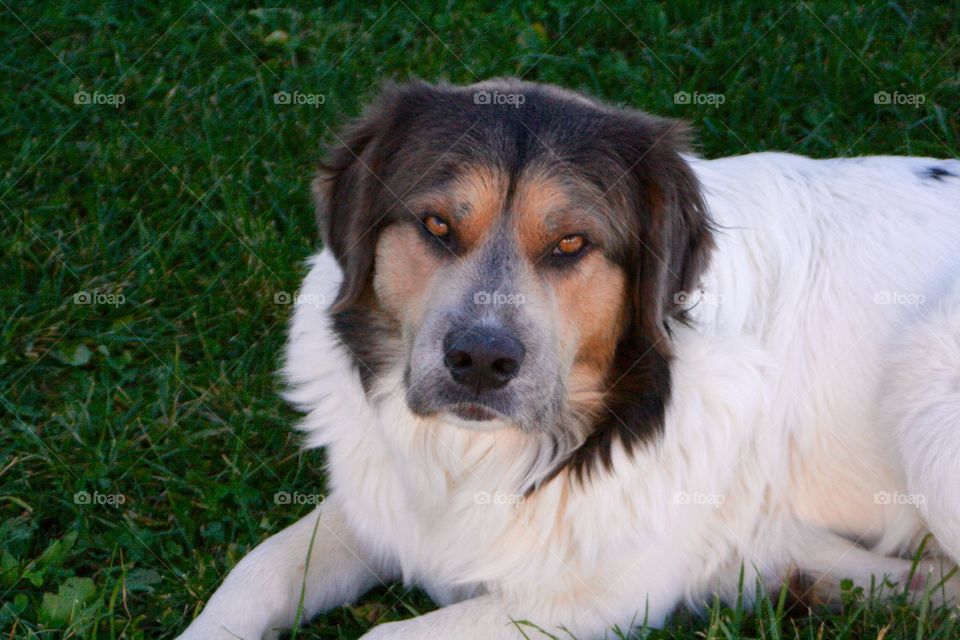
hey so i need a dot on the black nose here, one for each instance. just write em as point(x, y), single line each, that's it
point(482, 358)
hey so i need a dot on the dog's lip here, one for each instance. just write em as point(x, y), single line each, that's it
point(474, 412)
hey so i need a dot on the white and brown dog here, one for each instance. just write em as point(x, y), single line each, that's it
point(572, 375)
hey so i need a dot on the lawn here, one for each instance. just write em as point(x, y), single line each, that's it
point(155, 218)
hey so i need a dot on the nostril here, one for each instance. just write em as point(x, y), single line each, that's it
point(460, 360)
point(505, 366)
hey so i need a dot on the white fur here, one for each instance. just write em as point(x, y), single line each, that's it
point(807, 415)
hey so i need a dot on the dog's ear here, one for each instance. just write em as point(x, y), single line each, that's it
point(670, 241)
point(672, 224)
point(349, 189)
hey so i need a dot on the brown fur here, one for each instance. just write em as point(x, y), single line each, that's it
point(404, 273)
point(479, 194)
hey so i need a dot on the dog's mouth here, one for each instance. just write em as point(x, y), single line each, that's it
point(473, 416)
point(473, 412)
point(430, 398)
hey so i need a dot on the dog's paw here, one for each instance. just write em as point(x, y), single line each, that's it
point(382, 632)
point(403, 630)
point(931, 580)
point(207, 629)
point(428, 628)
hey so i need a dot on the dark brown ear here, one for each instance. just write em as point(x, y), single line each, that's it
point(672, 223)
point(670, 247)
point(348, 190)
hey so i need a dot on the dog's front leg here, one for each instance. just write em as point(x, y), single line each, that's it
point(262, 594)
point(491, 617)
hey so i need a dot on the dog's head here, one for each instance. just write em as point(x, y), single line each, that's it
point(515, 249)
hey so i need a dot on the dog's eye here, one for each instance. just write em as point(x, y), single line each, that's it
point(437, 227)
point(569, 245)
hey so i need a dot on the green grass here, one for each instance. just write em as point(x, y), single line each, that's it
point(190, 201)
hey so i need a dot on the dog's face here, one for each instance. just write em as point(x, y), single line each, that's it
point(516, 249)
point(508, 302)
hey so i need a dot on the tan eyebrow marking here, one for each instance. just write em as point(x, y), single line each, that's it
point(483, 190)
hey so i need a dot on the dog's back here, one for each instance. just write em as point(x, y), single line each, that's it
point(832, 265)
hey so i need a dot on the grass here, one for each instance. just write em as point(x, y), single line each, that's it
point(142, 438)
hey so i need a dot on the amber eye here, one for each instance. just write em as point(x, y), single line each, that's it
point(569, 245)
point(436, 226)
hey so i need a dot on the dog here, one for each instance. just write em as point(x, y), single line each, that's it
point(568, 374)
